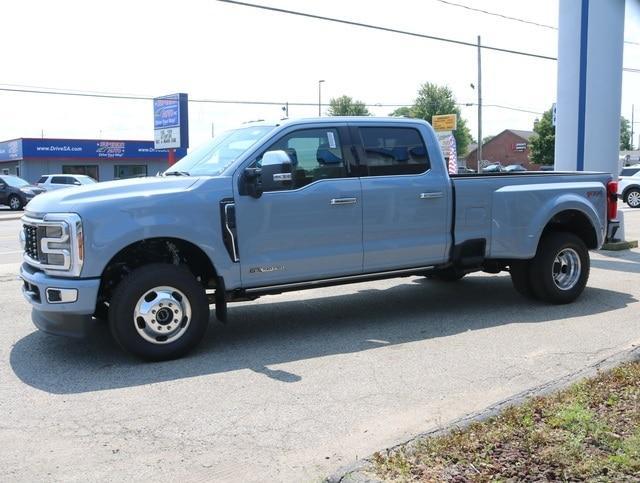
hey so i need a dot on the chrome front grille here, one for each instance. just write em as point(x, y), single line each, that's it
point(31, 242)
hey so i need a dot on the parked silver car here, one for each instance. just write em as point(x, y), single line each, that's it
point(52, 182)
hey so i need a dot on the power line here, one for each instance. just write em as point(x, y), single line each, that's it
point(396, 31)
point(385, 29)
point(506, 17)
point(107, 95)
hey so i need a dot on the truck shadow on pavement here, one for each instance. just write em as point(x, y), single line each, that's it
point(275, 332)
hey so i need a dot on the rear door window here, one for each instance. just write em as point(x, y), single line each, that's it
point(629, 171)
point(392, 151)
point(59, 180)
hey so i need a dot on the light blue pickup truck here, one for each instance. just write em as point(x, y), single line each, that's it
point(269, 208)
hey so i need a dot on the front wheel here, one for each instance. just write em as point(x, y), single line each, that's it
point(159, 312)
point(15, 203)
point(632, 198)
point(560, 269)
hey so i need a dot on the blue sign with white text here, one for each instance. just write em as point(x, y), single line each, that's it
point(81, 148)
point(166, 112)
point(11, 150)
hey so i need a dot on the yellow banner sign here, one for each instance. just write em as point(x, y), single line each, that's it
point(445, 122)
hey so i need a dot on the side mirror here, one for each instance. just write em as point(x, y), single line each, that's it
point(274, 174)
point(77, 183)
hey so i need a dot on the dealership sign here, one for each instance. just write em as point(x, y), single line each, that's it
point(171, 122)
point(70, 149)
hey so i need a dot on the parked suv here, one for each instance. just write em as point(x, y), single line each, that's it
point(16, 192)
point(52, 182)
point(629, 185)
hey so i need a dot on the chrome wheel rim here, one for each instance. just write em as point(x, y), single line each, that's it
point(162, 315)
point(566, 269)
point(633, 199)
point(14, 203)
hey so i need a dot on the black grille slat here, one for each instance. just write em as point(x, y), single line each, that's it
point(31, 242)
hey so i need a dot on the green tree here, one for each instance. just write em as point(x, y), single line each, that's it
point(626, 143)
point(402, 112)
point(346, 106)
point(543, 142)
point(433, 100)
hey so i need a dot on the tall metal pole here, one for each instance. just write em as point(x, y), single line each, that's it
point(320, 98)
point(479, 150)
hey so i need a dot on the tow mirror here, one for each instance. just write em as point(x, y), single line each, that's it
point(274, 174)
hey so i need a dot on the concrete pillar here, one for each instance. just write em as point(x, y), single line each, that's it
point(590, 46)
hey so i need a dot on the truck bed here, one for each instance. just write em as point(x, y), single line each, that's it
point(510, 210)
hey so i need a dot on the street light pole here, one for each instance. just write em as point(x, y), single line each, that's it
point(320, 98)
point(479, 150)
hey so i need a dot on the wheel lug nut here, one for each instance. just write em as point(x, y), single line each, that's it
point(175, 321)
point(153, 311)
point(176, 311)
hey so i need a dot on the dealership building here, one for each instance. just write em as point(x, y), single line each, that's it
point(31, 158)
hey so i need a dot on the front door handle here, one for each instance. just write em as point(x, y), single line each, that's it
point(431, 195)
point(344, 201)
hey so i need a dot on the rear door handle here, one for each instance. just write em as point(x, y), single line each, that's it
point(344, 201)
point(431, 195)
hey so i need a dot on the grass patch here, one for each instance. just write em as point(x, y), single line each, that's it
point(590, 431)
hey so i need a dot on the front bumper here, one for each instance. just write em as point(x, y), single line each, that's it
point(71, 316)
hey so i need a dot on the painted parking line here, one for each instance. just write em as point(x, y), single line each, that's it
point(11, 253)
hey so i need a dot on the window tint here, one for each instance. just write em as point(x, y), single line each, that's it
point(316, 154)
point(59, 180)
point(393, 151)
point(42, 179)
point(629, 171)
point(122, 171)
point(88, 170)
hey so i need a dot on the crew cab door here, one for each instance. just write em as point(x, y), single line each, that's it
point(405, 198)
point(308, 225)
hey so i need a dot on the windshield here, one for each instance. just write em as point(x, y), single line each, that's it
point(15, 181)
point(218, 154)
point(85, 179)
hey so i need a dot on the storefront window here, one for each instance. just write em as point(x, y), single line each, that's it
point(89, 170)
point(122, 171)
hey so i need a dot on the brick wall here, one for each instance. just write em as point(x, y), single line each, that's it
point(502, 149)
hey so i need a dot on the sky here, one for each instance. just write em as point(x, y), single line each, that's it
point(213, 50)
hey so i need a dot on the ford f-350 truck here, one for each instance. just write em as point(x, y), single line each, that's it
point(269, 208)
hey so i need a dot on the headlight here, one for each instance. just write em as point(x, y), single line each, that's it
point(26, 191)
point(55, 243)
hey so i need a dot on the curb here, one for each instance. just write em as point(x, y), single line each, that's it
point(360, 470)
point(11, 217)
point(620, 245)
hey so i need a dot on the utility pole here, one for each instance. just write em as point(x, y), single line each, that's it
point(320, 98)
point(479, 150)
point(213, 132)
point(285, 108)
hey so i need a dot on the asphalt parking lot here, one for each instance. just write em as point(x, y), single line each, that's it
point(296, 385)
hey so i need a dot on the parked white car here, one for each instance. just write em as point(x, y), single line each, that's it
point(52, 182)
point(629, 185)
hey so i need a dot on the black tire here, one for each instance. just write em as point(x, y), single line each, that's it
point(15, 203)
point(632, 198)
point(521, 278)
point(546, 266)
point(126, 330)
point(446, 275)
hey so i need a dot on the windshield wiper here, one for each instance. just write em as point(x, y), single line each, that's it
point(177, 173)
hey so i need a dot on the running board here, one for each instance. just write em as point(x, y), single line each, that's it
point(287, 287)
